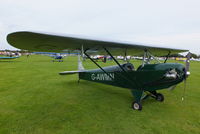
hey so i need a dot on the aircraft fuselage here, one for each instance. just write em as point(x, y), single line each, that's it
point(148, 77)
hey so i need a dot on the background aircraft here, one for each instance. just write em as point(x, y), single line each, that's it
point(147, 78)
point(8, 58)
point(8, 55)
point(56, 56)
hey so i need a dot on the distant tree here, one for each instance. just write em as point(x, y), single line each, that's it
point(194, 55)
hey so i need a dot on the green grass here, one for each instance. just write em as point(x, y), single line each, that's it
point(34, 99)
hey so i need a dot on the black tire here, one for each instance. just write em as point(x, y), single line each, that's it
point(137, 106)
point(159, 97)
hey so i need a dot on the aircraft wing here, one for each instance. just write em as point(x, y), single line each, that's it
point(55, 43)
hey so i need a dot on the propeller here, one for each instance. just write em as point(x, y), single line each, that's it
point(172, 88)
point(187, 73)
point(172, 74)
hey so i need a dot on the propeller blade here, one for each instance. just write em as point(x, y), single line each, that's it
point(187, 73)
point(172, 88)
point(187, 64)
point(184, 90)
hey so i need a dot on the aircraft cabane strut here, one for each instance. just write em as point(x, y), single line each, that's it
point(147, 58)
point(167, 57)
point(97, 64)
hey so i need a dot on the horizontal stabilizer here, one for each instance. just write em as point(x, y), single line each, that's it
point(69, 72)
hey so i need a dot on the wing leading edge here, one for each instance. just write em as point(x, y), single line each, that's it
point(54, 43)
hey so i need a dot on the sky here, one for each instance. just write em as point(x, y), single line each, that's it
point(164, 23)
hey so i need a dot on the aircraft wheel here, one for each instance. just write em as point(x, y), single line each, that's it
point(137, 106)
point(159, 97)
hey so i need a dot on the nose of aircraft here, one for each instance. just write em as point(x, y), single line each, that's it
point(186, 73)
point(183, 70)
point(177, 71)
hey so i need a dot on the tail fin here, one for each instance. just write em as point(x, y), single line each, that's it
point(80, 64)
point(80, 68)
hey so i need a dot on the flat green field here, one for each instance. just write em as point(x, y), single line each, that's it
point(34, 99)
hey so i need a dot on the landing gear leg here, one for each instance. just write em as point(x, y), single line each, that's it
point(136, 105)
point(157, 96)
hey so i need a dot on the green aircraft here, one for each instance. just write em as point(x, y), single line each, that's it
point(143, 81)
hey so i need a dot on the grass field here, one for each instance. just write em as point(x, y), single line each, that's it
point(34, 99)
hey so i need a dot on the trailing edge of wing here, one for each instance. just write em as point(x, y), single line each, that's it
point(54, 43)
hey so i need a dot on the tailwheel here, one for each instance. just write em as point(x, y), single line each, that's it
point(159, 97)
point(137, 106)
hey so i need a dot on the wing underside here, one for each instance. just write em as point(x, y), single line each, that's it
point(54, 43)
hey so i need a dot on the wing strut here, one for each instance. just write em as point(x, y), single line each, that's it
point(147, 58)
point(125, 56)
point(97, 64)
point(114, 60)
point(167, 56)
point(128, 79)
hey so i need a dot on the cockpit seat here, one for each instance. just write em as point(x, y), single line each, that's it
point(128, 67)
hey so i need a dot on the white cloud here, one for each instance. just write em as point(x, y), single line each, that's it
point(156, 22)
point(188, 41)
